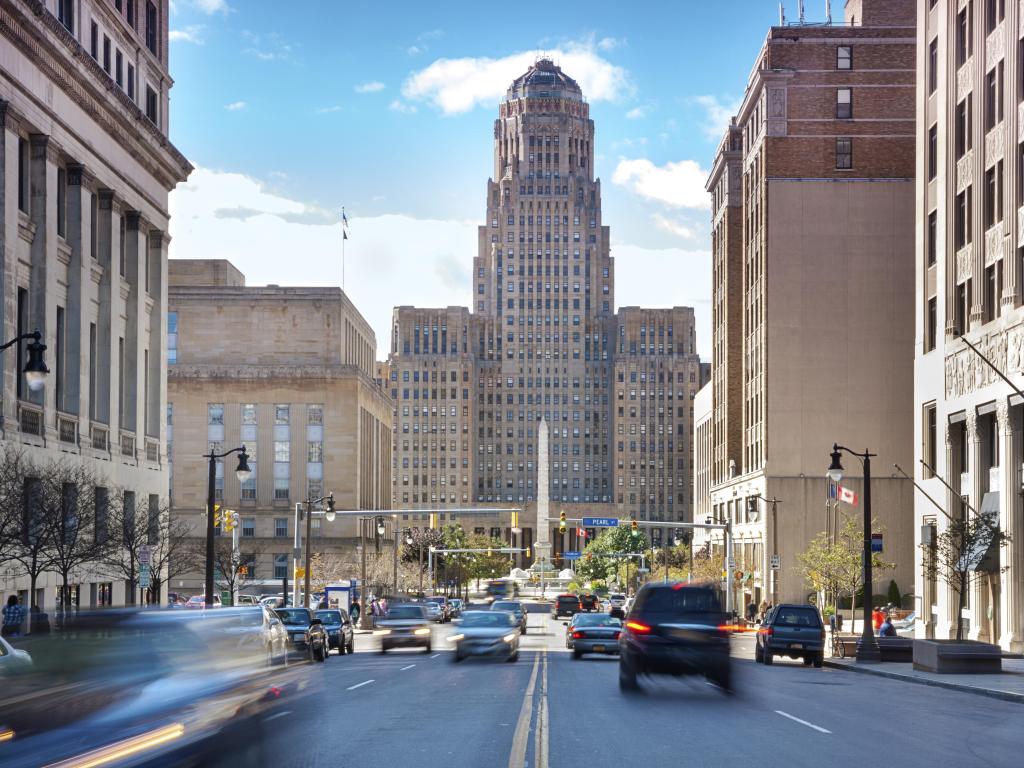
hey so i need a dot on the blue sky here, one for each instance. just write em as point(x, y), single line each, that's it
point(387, 109)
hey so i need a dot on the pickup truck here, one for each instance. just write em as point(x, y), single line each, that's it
point(791, 630)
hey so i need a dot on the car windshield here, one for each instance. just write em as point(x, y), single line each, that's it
point(437, 600)
point(329, 617)
point(482, 619)
point(503, 605)
point(294, 617)
point(679, 601)
point(405, 612)
point(596, 620)
point(797, 617)
point(616, 597)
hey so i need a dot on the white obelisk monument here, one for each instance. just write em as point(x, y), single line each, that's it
point(541, 545)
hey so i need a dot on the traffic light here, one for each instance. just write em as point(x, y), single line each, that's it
point(527, 551)
point(515, 519)
point(433, 520)
point(634, 525)
point(230, 518)
point(561, 522)
point(216, 516)
point(243, 571)
point(489, 552)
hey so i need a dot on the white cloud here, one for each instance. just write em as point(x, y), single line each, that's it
point(400, 106)
point(459, 85)
point(190, 34)
point(610, 43)
point(371, 87)
point(386, 262)
point(267, 48)
point(235, 106)
point(635, 113)
point(680, 184)
point(718, 114)
point(212, 6)
point(672, 226)
point(329, 110)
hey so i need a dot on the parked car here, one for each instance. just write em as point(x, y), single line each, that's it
point(404, 625)
point(442, 602)
point(791, 630)
point(457, 607)
point(515, 608)
point(593, 633)
point(675, 629)
point(435, 612)
point(340, 634)
point(566, 605)
point(306, 632)
point(13, 659)
point(248, 600)
point(254, 629)
point(199, 602)
point(487, 633)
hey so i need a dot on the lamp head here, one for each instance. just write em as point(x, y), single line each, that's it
point(380, 526)
point(835, 470)
point(243, 472)
point(329, 513)
point(35, 368)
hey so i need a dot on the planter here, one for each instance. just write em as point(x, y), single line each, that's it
point(954, 657)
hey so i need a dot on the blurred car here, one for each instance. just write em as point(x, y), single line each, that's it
point(13, 659)
point(791, 630)
point(442, 602)
point(457, 607)
point(566, 605)
point(248, 600)
point(306, 632)
point(256, 631)
point(675, 629)
point(434, 611)
point(199, 602)
point(487, 633)
point(403, 626)
point(340, 634)
point(617, 599)
point(905, 626)
point(515, 608)
point(589, 602)
point(136, 686)
point(593, 633)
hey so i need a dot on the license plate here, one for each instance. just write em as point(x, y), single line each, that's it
point(796, 645)
point(298, 636)
point(599, 648)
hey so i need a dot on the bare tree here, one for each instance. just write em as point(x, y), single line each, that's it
point(124, 529)
point(235, 570)
point(14, 468)
point(31, 546)
point(175, 552)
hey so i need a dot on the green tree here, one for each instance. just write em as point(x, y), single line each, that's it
point(482, 565)
point(596, 562)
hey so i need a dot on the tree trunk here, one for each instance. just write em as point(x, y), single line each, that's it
point(31, 594)
point(960, 608)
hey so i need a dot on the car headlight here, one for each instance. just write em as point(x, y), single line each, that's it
point(382, 632)
point(421, 631)
point(510, 637)
point(456, 638)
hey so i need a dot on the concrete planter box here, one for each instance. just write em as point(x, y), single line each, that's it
point(957, 658)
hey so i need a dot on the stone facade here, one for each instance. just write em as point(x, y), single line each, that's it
point(811, 295)
point(289, 373)
point(85, 172)
point(969, 228)
point(542, 340)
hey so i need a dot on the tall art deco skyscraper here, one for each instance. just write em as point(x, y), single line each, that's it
point(543, 340)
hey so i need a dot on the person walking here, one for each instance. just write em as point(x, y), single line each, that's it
point(762, 610)
point(751, 612)
point(13, 616)
point(354, 612)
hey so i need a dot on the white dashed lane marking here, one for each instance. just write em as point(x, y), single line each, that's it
point(359, 685)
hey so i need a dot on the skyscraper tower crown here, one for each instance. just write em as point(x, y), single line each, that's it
point(544, 79)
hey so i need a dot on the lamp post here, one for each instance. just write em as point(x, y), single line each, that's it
point(775, 542)
point(35, 369)
point(867, 646)
point(329, 514)
point(243, 473)
point(408, 542)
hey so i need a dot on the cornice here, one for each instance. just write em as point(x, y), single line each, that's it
point(185, 372)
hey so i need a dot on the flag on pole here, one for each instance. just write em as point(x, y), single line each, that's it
point(836, 492)
point(581, 532)
point(344, 235)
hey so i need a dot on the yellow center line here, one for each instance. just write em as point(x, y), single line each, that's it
point(520, 739)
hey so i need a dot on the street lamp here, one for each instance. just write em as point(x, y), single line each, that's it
point(35, 369)
point(329, 514)
point(243, 473)
point(380, 526)
point(867, 646)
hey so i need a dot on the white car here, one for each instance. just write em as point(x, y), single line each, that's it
point(617, 599)
point(12, 659)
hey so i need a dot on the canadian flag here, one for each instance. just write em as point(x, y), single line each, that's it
point(581, 532)
point(845, 495)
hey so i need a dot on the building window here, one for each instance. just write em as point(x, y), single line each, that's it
point(131, 82)
point(931, 324)
point(94, 41)
point(962, 219)
point(172, 338)
point(844, 153)
point(119, 69)
point(281, 527)
point(844, 57)
point(66, 14)
point(933, 65)
point(152, 28)
point(964, 43)
point(58, 354)
point(151, 111)
point(991, 294)
point(249, 527)
point(962, 126)
point(932, 237)
point(933, 151)
point(995, 11)
point(844, 103)
point(94, 376)
point(994, 97)
point(282, 452)
point(62, 202)
point(131, 13)
point(281, 566)
point(106, 54)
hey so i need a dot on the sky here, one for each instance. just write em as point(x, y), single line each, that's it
point(387, 110)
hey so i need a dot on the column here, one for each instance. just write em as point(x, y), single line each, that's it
point(77, 300)
point(132, 375)
point(156, 395)
point(1010, 613)
point(947, 619)
point(978, 590)
point(109, 296)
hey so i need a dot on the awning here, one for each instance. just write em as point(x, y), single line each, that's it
point(984, 556)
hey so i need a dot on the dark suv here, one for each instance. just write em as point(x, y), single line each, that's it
point(791, 630)
point(566, 605)
point(675, 629)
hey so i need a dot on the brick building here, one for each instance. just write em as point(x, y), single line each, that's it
point(542, 340)
point(812, 201)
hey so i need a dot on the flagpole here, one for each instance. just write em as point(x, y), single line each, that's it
point(343, 239)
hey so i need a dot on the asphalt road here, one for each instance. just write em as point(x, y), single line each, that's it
point(408, 708)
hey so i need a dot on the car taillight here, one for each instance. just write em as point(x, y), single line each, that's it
point(766, 631)
point(823, 633)
point(636, 626)
point(577, 635)
point(617, 635)
point(731, 628)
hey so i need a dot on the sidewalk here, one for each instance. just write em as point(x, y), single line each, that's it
point(1008, 686)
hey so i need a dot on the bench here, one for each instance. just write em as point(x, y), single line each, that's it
point(896, 648)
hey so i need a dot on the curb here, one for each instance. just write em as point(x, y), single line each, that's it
point(1017, 698)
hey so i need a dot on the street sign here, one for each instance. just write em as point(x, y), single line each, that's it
point(876, 542)
point(732, 563)
point(145, 555)
point(643, 570)
point(570, 555)
point(600, 522)
point(143, 576)
point(776, 562)
point(300, 572)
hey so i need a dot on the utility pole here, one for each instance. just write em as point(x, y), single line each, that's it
point(395, 562)
point(364, 606)
point(309, 536)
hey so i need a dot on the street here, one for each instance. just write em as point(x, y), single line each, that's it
point(408, 707)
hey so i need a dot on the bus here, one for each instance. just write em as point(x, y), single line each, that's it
point(499, 589)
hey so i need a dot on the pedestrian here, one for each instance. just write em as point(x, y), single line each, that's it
point(762, 610)
point(876, 618)
point(886, 628)
point(751, 612)
point(40, 621)
point(354, 612)
point(13, 615)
